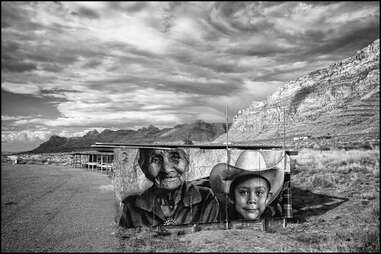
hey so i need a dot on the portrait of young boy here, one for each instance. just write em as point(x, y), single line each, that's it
point(247, 189)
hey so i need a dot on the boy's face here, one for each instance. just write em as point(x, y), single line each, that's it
point(251, 197)
point(167, 167)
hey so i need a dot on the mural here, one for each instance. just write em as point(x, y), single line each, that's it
point(192, 186)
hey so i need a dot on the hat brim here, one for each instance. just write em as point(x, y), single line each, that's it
point(222, 175)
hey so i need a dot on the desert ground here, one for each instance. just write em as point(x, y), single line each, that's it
point(48, 208)
point(55, 208)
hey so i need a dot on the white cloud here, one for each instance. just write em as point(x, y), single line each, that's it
point(20, 88)
point(118, 26)
point(355, 15)
point(24, 136)
point(14, 118)
point(99, 118)
point(72, 133)
point(187, 30)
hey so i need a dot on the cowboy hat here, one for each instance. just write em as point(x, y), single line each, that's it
point(266, 164)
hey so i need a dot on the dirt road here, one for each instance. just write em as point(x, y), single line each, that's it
point(47, 208)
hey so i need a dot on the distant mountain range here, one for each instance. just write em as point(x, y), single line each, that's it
point(198, 131)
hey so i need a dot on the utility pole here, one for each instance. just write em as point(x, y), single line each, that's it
point(284, 128)
point(227, 165)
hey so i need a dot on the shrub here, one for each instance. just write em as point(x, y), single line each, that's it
point(359, 240)
point(324, 181)
point(369, 242)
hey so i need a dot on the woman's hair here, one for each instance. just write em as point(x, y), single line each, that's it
point(143, 158)
point(242, 178)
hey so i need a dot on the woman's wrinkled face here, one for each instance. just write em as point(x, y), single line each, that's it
point(167, 167)
point(251, 197)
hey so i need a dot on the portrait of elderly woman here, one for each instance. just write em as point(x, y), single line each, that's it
point(248, 188)
point(171, 200)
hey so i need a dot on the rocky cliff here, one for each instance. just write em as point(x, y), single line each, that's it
point(341, 99)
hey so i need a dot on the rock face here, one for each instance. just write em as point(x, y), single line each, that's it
point(341, 99)
point(199, 131)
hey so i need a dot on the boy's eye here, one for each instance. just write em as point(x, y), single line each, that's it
point(260, 193)
point(243, 192)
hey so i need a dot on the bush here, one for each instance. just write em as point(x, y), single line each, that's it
point(324, 181)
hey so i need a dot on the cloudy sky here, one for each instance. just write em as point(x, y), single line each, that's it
point(67, 68)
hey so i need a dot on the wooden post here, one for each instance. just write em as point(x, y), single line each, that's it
point(284, 168)
point(108, 163)
point(227, 163)
point(92, 164)
point(101, 162)
point(284, 128)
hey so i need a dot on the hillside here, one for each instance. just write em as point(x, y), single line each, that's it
point(341, 99)
point(198, 131)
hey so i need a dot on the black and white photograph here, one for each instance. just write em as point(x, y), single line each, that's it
point(185, 126)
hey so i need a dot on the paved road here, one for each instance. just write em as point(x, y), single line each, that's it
point(47, 208)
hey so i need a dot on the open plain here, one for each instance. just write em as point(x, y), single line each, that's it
point(47, 208)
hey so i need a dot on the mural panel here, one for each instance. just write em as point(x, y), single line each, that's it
point(192, 186)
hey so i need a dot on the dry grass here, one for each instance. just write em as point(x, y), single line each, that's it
point(353, 226)
point(336, 201)
point(336, 169)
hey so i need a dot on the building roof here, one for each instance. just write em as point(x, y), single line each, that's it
point(92, 153)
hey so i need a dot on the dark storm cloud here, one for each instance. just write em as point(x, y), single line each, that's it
point(354, 40)
point(9, 47)
point(56, 91)
point(223, 67)
point(55, 68)
point(131, 83)
point(88, 13)
point(15, 15)
point(17, 66)
point(92, 63)
point(133, 106)
point(28, 77)
point(23, 104)
point(307, 43)
point(130, 7)
point(201, 88)
point(133, 50)
point(51, 56)
point(4, 24)
point(11, 14)
point(223, 18)
point(218, 63)
point(256, 50)
point(18, 58)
